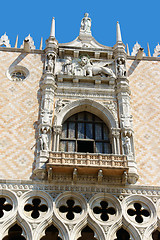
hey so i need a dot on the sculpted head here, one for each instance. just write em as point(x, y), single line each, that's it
point(84, 60)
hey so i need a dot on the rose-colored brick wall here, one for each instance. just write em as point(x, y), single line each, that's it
point(144, 79)
point(19, 113)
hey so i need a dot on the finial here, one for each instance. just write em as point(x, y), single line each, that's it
point(128, 50)
point(119, 38)
point(16, 43)
point(52, 33)
point(41, 44)
point(149, 53)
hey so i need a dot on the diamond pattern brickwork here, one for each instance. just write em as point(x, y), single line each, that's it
point(144, 78)
point(19, 113)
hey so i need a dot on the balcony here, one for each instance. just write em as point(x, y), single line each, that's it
point(87, 163)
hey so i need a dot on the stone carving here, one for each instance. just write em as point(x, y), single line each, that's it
point(59, 105)
point(31, 42)
point(44, 139)
point(121, 70)
point(84, 67)
point(85, 24)
point(156, 51)
point(112, 106)
point(136, 48)
point(91, 69)
point(4, 41)
point(100, 175)
point(50, 63)
point(46, 117)
point(68, 66)
point(127, 146)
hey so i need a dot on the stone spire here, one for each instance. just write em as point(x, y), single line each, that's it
point(52, 33)
point(118, 33)
point(149, 53)
point(16, 43)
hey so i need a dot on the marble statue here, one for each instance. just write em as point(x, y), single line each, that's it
point(50, 63)
point(121, 70)
point(44, 140)
point(127, 146)
point(86, 24)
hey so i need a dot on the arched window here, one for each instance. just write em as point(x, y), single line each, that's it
point(51, 233)
point(14, 233)
point(85, 132)
point(87, 233)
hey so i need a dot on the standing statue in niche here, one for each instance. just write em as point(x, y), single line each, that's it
point(121, 70)
point(50, 63)
point(86, 24)
point(127, 146)
point(94, 69)
point(44, 140)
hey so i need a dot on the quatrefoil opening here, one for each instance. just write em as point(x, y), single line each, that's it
point(104, 211)
point(139, 212)
point(35, 208)
point(70, 209)
point(4, 206)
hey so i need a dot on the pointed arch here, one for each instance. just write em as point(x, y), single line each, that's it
point(89, 106)
point(87, 221)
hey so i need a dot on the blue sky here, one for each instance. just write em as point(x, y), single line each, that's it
point(139, 20)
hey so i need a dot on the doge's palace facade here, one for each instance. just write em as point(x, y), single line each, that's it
point(79, 140)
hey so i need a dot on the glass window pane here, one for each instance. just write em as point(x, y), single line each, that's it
point(105, 133)
point(99, 147)
point(98, 131)
point(81, 116)
point(64, 130)
point(71, 146)
point(71, 130)
point(63, 146)
point(89, 131)
point(89, 117)
point(107, 148)
point(80, 130)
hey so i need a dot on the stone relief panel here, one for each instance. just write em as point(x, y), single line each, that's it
point(84, 67)
point(112, 106)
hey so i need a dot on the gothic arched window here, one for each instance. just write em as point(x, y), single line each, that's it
point(85, 132)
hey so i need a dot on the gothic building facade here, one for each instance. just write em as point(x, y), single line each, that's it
point(79, 140)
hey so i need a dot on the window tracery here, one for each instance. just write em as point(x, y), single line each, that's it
point(85, 132)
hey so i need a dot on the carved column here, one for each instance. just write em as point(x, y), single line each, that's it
point(116, 141)
point(124, 110)
point(47, 87)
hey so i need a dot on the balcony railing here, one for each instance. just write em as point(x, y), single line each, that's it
point(93, 160)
